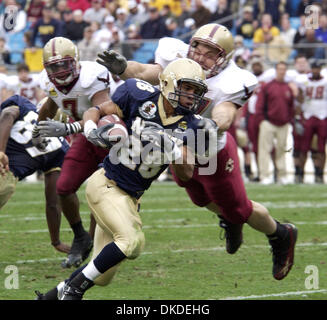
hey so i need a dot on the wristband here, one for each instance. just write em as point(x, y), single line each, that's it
point(74, 127)
point(35, 131)
point(89, 125)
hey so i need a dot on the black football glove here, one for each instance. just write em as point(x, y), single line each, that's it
point(113, 61)
point(161, 140)
point(100, 137)
point(39, 142)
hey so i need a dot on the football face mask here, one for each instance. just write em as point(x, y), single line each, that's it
point(61, 61)
point(182, 84)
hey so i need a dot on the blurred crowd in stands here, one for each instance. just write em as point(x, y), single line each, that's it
point(26, 25)
point(265, 33)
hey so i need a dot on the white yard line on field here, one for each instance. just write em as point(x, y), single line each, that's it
point(268, 204)
point(156, 226)
point(221, 248)
point(281, 294)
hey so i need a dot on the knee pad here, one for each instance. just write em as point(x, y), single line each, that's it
point(133, 245)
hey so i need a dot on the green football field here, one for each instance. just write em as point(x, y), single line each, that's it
point(183, 258)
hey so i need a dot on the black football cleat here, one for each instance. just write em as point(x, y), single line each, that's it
point(72, 293)
point(233, 235)
point(80, 250)
point(283, 252)
point(75, 289)
point(39, 295)
point(53, 294)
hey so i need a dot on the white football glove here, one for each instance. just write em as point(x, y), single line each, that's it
point(52, 128)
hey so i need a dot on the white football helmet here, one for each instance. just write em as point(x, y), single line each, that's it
point(178, 72)
point(218, 37)
point(61, 61)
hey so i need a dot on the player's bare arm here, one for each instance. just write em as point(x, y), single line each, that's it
point(146, 72)
point(100, 97)
point(92, 115)
point(7, 119)
point(224, 114)
point(184, 170)
point(117, 64)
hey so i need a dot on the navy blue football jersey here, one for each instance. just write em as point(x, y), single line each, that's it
point(137, 98)
point(24, 158)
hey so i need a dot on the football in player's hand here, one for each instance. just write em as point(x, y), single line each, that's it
point(118, 132)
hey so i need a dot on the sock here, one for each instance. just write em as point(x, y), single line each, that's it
point(91, 272)
point(280, 232)
point(78, 229)
point(318, 172)
point(297, 170)
point(76, 272)
point(81, 282)
point(247, 169)
point(108, 257)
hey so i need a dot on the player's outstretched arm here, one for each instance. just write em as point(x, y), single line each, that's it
point(117, 64)
point(7, 119)
point(224, 114)
point(184, 170)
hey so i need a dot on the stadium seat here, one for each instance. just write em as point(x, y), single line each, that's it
point(295, 22)
point(248, 43)
point(146, 52)
point(16, 45)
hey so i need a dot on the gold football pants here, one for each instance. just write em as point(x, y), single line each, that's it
point(117, 220)
point(7, 187)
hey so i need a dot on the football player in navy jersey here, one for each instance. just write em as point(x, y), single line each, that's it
point(19, 159)
point(113, 192)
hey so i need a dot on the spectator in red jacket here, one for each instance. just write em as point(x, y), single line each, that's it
point(275, 111)
point(78, 4)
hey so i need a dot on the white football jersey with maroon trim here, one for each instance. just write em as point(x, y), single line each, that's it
point(315, 96)
point(93, 78)
point(232, 84)
point(26, 89)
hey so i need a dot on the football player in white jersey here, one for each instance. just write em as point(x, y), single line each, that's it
point(24, 84)
point(314, 116)
point(73, 86)
point(229, 87)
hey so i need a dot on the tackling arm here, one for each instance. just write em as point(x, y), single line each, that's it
point(117, 64)
point(146, 72)
point(224, 114)
point(184, 170)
